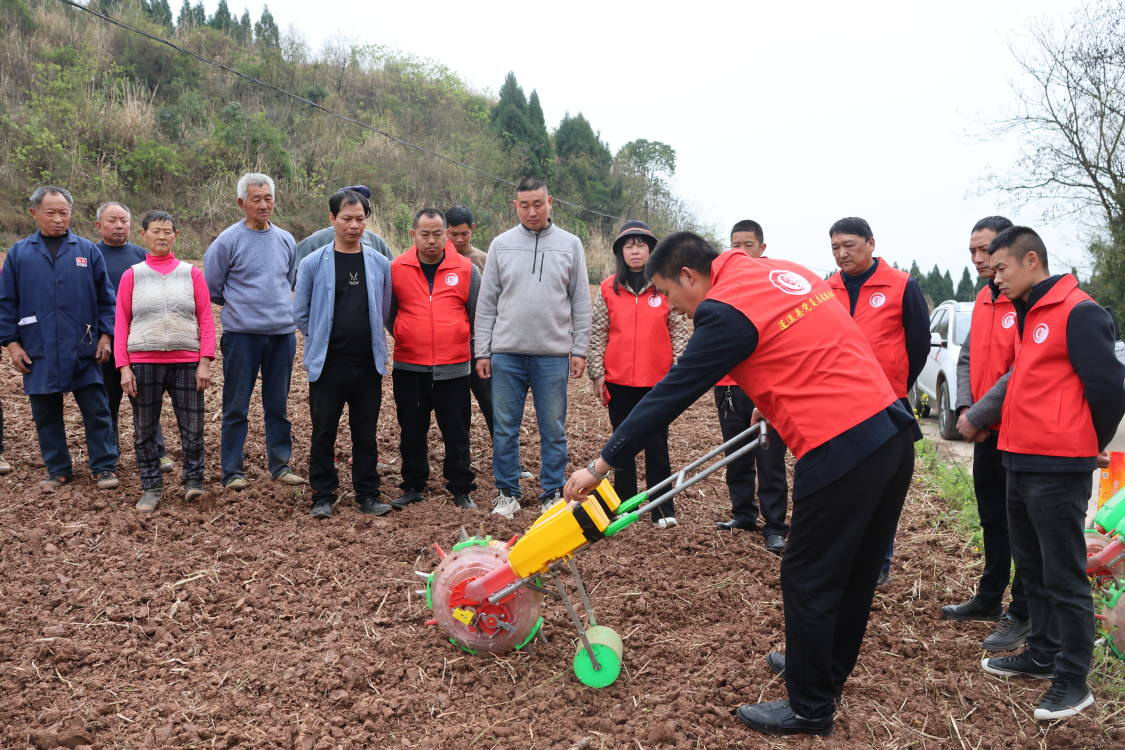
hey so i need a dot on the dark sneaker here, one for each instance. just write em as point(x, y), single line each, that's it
point(322, 507)
point(550, 499)
point(464, 502)
point(777, 717)
point(1064, 698)
point(149, 500)
point(106, 480)
point(775, 543)
point(883, 579)
point(412, 496)
point(193, 490)
point(974, 609)
point(736, 523)
point(373, 507)
point(1020, 664)
point(775, 660)
point(53, 483)
point(1009, 634)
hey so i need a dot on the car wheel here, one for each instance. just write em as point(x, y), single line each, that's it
point(947, 420)
point(921, 406)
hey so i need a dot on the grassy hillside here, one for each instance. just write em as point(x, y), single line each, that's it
point(111, 115)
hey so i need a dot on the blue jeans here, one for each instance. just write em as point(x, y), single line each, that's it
point(101, 442)
point(244, 354)
point(512, 375)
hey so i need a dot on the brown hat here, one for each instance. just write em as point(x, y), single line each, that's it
point(633, 229)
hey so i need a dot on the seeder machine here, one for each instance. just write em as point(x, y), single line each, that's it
point(1105, 564)
point(488, 595)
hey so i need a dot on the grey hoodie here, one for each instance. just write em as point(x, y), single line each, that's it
point(534, 296)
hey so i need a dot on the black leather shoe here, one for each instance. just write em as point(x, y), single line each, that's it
point(776, 717)
point(1009, 634)
point(322, 507)
point(373, 507)
point(736, 523)
point(974, 609)
point(413, 496)
point(775, 660)
point(464, 501)
point(775, 543)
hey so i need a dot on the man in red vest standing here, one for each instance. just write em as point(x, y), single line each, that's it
point(889, 308)
point(434, 295)
point(986, 355)
point(777, 329)
point(1062, 405)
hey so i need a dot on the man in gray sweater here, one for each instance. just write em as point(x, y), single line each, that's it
point(251, 269)
point(532, 328)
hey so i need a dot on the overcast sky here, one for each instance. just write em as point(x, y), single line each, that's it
point(794, 114)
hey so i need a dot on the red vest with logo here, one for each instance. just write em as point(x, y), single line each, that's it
point(813, 374)
point(638, 350)
point(878, 313)
point(1045, 408)
point(993, 338)
point(431, 327)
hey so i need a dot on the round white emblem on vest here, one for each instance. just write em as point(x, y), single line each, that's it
point(1040, 333)
point(451, 279)
point(878, 299)
point(790, 282)
point(654, 300)
point(1008, 320)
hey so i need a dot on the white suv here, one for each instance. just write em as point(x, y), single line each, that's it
point(936, 387)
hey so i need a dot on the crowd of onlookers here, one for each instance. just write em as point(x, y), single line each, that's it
point(828, 363)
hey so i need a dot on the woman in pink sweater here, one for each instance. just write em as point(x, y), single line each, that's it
point(164, 341)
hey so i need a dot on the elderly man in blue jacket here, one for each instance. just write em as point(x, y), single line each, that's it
point(56, 318)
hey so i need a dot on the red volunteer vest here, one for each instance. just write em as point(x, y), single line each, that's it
point(813, 375)
point(1045, 408)
point(993, 338)
point(431, 328)
point(638, 350)
point(878, 313)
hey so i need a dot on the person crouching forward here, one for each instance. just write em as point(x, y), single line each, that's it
point(164, 341)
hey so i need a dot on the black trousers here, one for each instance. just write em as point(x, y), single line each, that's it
point(622, 400)
point(178, 381)
point(828, 571)
point(360, 388)
point(1046, 516)
point(417, 394)
point(990, 483)
point(482, 390)
point(735, 409)
point(113, 392)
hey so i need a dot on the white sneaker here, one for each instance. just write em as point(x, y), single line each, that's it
point(525, 474)
point(665, 523)
point(505, 505)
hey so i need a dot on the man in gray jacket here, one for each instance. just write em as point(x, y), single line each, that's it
point(532, 328)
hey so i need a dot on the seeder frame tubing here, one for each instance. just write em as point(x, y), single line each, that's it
point(760, 434)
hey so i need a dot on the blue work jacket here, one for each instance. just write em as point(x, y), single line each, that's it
point(314, 303)
point(56, 308)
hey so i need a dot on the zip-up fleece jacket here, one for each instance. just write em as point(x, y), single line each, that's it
point(535, 296)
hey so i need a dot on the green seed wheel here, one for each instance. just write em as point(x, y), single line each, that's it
point(608, 648)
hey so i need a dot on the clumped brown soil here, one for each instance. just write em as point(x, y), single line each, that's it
point(238, 621)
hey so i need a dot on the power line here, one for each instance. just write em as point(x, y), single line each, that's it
point(257, 81)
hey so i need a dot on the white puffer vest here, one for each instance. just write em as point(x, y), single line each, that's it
point(163, 311)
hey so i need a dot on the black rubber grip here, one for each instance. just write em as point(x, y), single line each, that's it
point(589, 529)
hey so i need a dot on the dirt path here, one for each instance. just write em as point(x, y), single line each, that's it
point(240, 622)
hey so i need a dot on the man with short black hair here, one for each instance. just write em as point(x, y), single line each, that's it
point(434, 299)
point(777, 328)
point(889, 308)
point(342, 299)
point(986, 355)
point(1062, 405)
point(532, 330)
point(56, 320)
point(251, 269)
point(735, 412)
point(113, 222)
point(327, 236)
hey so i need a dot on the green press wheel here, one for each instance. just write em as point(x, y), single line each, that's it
point(608, 648)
